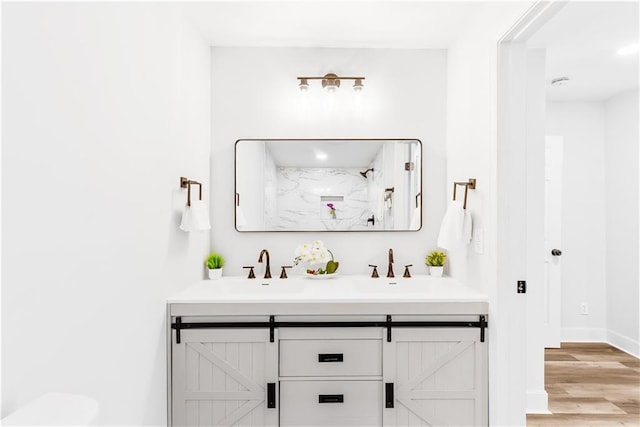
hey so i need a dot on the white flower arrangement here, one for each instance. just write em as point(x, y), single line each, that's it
point(315, 253)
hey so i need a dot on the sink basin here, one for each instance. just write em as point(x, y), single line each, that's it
point(396, 284)
point(258, 285)
point(344, 287)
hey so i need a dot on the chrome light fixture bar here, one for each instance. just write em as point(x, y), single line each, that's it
point(330, 82)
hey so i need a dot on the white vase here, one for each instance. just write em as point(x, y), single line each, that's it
point(215, 273)
point(436, 271)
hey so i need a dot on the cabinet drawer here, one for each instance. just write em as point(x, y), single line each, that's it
point(331, 403)
point(300, 358)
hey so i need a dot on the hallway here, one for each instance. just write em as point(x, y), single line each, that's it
point(590, 384)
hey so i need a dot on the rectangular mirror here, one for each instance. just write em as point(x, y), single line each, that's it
point(328, 185)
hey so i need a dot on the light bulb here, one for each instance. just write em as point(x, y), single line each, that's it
point(357, 85)
point(304, 85)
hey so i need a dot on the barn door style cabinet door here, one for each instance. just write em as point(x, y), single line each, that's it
point(435, 377)
point(224, 377)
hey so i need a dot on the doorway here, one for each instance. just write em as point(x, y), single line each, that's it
point(578, 310)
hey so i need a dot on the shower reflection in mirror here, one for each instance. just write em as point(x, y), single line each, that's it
point(328, 185)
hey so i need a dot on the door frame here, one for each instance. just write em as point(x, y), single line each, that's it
point(521, 332)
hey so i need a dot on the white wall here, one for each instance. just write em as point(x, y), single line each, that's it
point(472, 152)
point(105, 106)
point(621, 225)
point(582, 124)
point(255, 95)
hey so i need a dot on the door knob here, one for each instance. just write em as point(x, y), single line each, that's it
point(556, 252)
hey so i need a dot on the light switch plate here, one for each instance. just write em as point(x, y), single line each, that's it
point(478, 240)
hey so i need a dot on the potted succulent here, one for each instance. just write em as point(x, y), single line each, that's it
point(435, 260)
point(214, 263)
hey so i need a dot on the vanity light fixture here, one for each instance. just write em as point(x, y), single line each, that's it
point(330, 82)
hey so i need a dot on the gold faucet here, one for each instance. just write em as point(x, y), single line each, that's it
point(390, 270)
point(267, 271)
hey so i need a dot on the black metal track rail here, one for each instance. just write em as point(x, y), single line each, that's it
point(179, 325)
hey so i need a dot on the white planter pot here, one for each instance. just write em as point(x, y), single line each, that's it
point(215, 274)
point(436, 271)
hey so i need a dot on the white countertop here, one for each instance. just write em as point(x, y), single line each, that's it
point(338, 295)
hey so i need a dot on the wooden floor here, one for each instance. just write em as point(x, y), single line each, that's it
point(590, 384)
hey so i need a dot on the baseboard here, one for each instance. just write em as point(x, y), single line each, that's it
point(621, 342)
point(583, 335)
point(624, 343)
point(537, 402)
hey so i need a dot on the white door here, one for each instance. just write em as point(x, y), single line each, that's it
point(438, 378)
point(553, 239)
point(219, 378)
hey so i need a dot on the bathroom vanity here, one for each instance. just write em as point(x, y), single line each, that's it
point(348, 351)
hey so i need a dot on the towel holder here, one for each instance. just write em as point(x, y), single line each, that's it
point(388, 193)
point(468, 185)
point(187, 183)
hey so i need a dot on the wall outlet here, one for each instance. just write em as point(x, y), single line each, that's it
point(584, 308)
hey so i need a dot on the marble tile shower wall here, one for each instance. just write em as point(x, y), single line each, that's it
point(300, 193)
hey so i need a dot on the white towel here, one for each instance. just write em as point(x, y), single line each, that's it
point(453, 226)
point(195, 217)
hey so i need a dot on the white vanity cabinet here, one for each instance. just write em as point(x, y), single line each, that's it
point(310, 360)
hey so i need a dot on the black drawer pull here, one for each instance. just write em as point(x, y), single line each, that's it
point(271, 395)
point(330, 398)
point(334, 357)
point(389, 400)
